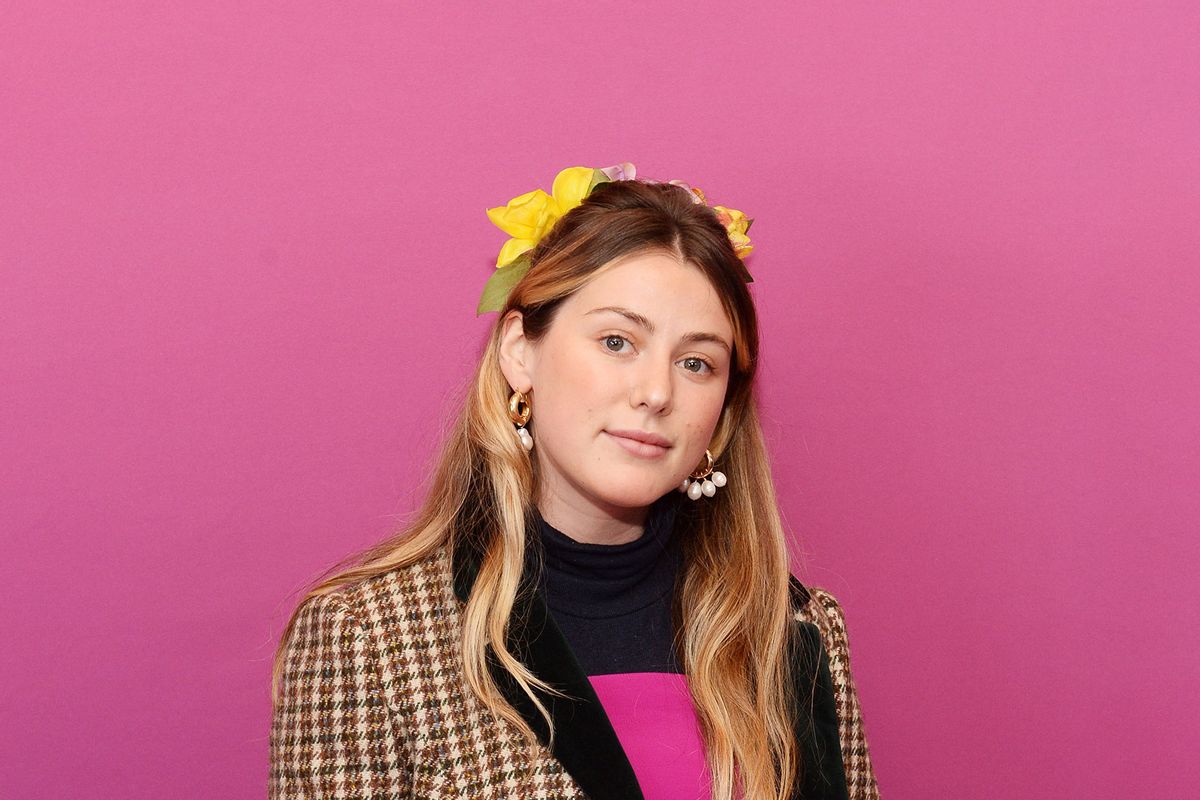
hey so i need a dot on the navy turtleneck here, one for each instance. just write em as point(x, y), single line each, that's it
point(613, 601)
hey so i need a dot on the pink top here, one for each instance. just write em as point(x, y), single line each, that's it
point(653, 716)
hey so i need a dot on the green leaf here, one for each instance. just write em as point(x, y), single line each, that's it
point(598, 178)
point(495, 291)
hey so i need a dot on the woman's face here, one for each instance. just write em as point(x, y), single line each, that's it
point(642, 349)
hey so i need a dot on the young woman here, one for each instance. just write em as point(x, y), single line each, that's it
point(595, 600)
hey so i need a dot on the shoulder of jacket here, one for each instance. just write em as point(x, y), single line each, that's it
point(420, 585)
point(818, 606)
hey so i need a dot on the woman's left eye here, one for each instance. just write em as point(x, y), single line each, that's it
point(699, 361)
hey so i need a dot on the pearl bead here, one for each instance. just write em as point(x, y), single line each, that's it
point(718, 478)
point(709, 488)
point(526, 438)
point(694, 491)
point(683, 487)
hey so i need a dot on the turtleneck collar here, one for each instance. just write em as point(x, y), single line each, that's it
point(598, 581)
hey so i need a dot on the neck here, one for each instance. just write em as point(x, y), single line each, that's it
point(591, 524)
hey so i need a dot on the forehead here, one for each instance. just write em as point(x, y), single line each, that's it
point(674, 296)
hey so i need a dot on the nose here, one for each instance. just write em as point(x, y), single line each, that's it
point(652, 388)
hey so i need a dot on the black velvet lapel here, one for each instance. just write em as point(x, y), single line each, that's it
point(585, 742)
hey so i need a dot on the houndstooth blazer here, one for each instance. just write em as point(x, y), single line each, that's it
point(373, 703)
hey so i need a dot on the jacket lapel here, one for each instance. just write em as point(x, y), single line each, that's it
point(585, 742)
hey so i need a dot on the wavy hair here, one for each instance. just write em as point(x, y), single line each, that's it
point(732, 610)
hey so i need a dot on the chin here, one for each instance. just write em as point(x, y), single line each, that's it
point(632, 494)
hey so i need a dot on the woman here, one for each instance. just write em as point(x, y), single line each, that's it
point(595, 599)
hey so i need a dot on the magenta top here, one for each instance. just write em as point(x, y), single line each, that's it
point(653, 717)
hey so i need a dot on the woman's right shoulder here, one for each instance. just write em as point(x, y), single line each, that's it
point(402, 596)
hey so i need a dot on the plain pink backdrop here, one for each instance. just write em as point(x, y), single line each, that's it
point(240, 251)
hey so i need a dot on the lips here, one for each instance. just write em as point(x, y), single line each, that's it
point(630, 442)
point(642, 436)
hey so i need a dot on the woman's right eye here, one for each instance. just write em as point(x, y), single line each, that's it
point(608, 340)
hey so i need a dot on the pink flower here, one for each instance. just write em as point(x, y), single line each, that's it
point(620, 172)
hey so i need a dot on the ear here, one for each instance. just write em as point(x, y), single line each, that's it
point(517, 356)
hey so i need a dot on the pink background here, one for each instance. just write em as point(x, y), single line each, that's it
point(240, 250)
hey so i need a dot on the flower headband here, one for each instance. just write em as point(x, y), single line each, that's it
point(530, 216)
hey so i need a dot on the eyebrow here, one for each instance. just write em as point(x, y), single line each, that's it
point(639, 319)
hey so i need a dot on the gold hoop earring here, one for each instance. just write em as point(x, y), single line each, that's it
point(704, 481)
point(519, 411)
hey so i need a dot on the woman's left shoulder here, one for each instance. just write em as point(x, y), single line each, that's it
point(817, 609)
point(816, 605)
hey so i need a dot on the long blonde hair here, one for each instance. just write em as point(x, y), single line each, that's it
point(732, 607)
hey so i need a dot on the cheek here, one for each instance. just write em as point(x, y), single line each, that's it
point(707, 412)
point(702, 422)
point(568, 400)
point(578, 378)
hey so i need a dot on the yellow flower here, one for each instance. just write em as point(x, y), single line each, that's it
point(529, 217)
point(736, 224)
point(526, 218)
point(571, 186)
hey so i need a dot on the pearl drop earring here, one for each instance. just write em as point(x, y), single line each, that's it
point(703, 481)
point(519, 412)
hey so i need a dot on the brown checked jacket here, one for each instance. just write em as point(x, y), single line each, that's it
point(373, 702)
